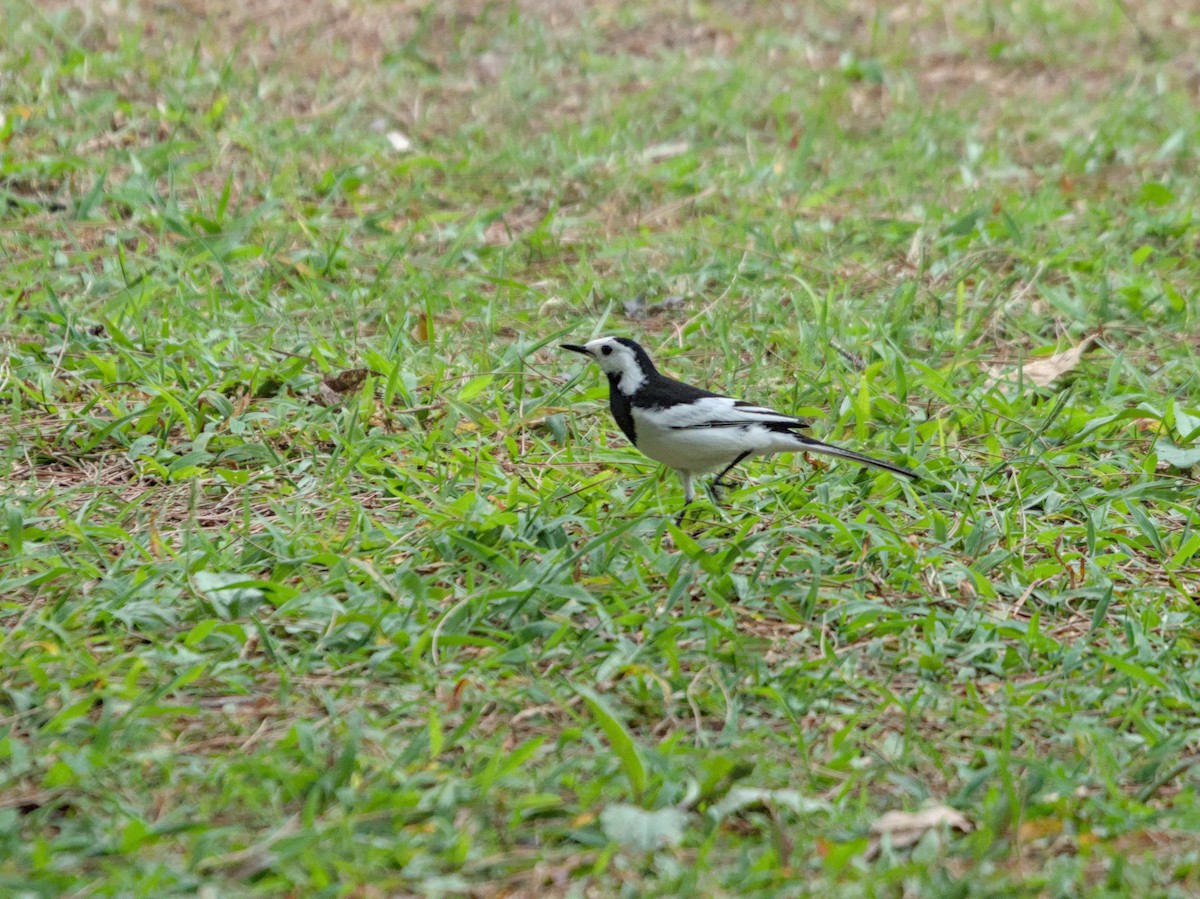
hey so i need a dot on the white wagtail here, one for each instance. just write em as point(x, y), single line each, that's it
point(692, 430)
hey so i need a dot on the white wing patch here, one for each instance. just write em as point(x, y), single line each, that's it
point(717, 412)
point(709, 433)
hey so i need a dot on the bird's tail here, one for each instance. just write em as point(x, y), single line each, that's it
point(809, 445)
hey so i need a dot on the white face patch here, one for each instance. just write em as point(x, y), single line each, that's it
point(615, 358)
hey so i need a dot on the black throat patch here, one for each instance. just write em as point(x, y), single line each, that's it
point(622, 408)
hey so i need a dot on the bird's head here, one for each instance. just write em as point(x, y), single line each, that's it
point(619, 358)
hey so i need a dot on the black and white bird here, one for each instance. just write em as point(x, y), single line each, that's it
point(693, 430)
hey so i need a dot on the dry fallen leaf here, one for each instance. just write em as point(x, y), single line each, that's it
point(350, 379)
point(903, 829)
point(334, 387)
point(422, 331)
point(1042, 372)
point(1039, 828)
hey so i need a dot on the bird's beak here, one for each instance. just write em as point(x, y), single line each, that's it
point(575, 348)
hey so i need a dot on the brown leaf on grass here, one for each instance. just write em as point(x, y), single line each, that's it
point(350, 379)
point(1045, 371)
point(1040, 828)
point(334, 387)
point(422, 331)
point(903, 829)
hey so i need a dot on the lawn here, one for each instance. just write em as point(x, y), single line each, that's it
point(323, 572)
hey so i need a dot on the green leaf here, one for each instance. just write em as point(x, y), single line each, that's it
point(1185, 552)
point(618, 738)
point(1187, 426)
point(1148, 527)
point(967, 223)
point(59, 774)
point(839, 855)
point(720, 773)
point(134, 835)
point(231, 595)
point(435, 733)
point(474, 387)
point(1100, 611)
point(503, 764)
point(1182, 458)
point(197, 634)
point(1155, 194)
point(1137, 672)
point(688, 545)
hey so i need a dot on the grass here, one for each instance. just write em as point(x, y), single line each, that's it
point(428, 628)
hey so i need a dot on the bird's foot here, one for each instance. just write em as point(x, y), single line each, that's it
point(717, 489)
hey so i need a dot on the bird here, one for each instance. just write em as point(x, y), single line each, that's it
point(692, 430)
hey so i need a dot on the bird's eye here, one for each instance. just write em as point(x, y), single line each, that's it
point(607, 350)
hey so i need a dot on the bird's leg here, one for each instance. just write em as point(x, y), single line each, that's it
point(716, 484)
point(689, 494)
